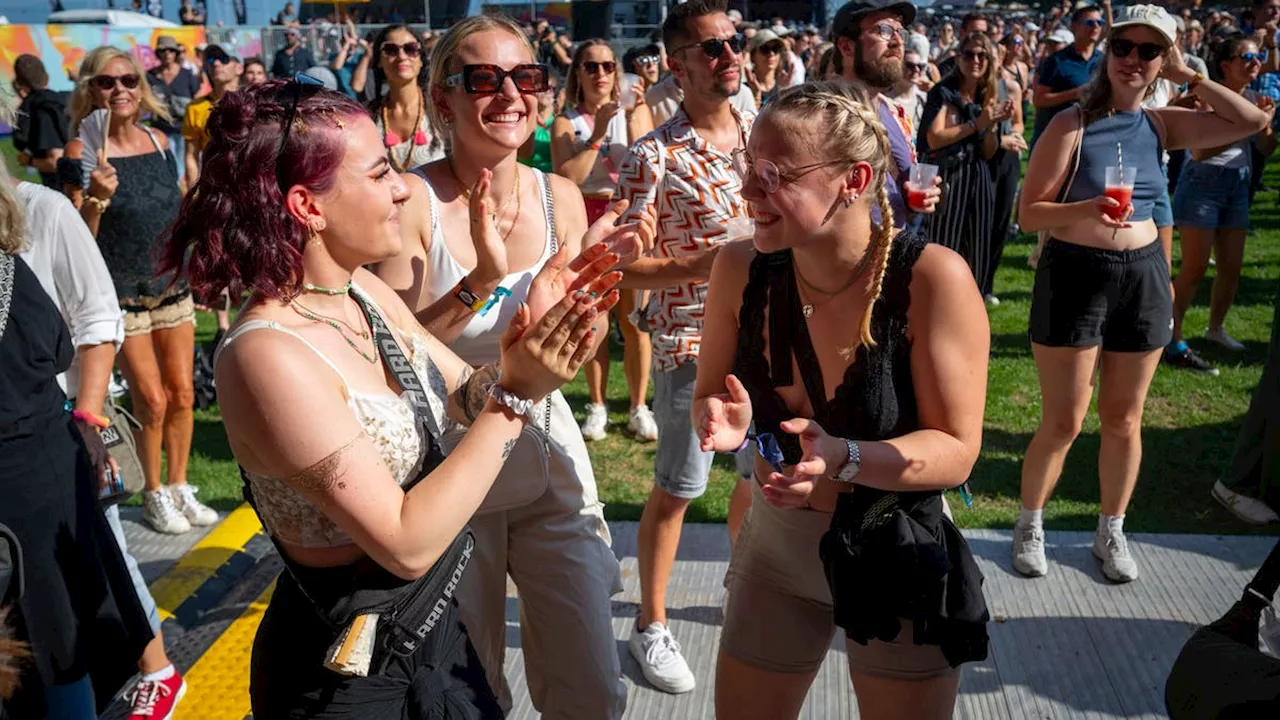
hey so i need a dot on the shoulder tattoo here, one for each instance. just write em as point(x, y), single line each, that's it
point(324, 474)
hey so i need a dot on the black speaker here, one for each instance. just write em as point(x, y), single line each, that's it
point(592, 19)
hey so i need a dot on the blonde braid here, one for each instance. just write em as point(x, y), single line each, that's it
point(852, 131)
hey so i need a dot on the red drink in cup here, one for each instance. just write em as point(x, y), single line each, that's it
point(921, 180)
point(1119, 187)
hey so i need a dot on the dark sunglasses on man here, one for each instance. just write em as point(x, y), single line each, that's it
point(487, 79)
point(713, 48)
point(216, 55)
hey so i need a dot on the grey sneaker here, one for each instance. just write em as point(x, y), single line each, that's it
point(1111, 547)
point(658, 653)
point(160, 512)
point(1028, 550)
point(1250, 510)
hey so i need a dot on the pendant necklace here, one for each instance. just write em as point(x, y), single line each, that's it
point(807, 308)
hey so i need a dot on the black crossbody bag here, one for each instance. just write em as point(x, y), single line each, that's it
point(408, 611)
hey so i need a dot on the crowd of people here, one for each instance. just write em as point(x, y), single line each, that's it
point(794, 233)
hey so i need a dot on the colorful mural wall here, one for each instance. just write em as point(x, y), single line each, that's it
point(63, 47)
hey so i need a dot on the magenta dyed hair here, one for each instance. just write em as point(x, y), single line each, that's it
point(233, 231)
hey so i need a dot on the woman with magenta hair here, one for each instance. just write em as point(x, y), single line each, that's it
point(335, 400)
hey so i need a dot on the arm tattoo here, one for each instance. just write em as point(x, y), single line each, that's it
point(324, 474)
point(506, 449)
point(470, 398)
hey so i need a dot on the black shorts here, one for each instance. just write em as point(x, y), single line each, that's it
point(1119, 299)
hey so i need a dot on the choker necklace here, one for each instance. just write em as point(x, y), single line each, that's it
point(308, 287)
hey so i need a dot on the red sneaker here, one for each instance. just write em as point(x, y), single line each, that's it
point(156, 700)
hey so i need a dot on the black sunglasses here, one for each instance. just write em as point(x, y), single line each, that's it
point(1147, 52)
point(713, 48)
point(592, 67)
point(915, 67)
point(972, 56)
point(411, 49)
point(769, 49)
point(489, 79)
point(108, 82)
point(299, 84)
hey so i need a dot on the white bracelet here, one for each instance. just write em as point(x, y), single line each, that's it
point(509, 400)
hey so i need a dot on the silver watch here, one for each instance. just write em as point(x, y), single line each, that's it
point(852, 464)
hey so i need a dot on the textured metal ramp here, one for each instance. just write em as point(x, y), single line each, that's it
point(1069, 645)
point(1066, 646)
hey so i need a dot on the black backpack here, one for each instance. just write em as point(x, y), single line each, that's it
point(1221, 673)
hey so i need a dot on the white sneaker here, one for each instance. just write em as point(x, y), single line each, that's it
point(1028, 550)
point(1111, 547)
point(1220, 337)
point(196, 512)
point(117, 387)
point(659, 656)
point(642, 424)
point(992, 300)
point(596, 424)
point(1250, 510)
point(160, 512)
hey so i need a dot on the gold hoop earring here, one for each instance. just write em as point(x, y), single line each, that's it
point(313, 236)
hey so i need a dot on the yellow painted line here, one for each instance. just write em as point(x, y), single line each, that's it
point(218, 684)
point(203, 560)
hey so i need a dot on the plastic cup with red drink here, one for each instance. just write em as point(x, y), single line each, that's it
point(1119, 187)
point(921, 180)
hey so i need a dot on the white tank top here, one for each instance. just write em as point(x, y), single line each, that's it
point(603, 178)
point(478, 342)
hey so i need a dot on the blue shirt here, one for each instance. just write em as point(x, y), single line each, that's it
point(1134, 134)
point(1064, 70)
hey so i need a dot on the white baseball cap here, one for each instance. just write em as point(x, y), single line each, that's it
point(1062, 36)
point(1152, 16)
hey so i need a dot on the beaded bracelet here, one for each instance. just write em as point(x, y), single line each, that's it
point(90, 418)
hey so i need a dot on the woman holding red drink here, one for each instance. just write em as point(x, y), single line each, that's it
point(1102, 296)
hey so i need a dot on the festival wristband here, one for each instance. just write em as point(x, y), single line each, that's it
point(465, 296)
point(498, 293)
point(90, 418)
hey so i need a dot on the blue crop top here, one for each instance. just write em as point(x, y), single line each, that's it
point(1136, 135)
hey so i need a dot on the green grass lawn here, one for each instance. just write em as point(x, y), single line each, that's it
point(1191, 420)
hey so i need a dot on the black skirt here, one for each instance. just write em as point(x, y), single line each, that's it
point(444, 680)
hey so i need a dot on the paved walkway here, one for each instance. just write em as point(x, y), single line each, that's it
point(1069, 645)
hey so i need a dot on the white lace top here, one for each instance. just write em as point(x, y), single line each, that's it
point(388, 420)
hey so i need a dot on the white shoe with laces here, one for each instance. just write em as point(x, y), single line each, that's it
point(642, 424)
point(1112, 548)
point(1250, 510)
point(1028, 550)
point(596, 424)
point(160, 512)
point(658, 653)
point(1221, 338)
point(196, 512)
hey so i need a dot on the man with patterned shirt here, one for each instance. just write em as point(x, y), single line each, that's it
point(683, 174)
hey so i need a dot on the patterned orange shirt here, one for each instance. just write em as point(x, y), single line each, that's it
point(696, 192)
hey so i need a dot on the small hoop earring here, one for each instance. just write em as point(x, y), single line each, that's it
point(850, 200)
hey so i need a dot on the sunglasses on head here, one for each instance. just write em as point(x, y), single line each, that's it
point(1252, 57)
point(592, 67)
point(299, 85)
point(974, 56)
point(1147, 52)
point(108, 82)
point(488, 79)
point(713, 48)
point(411, 49)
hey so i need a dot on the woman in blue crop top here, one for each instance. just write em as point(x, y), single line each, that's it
point(863, 351)
point(1102, 295)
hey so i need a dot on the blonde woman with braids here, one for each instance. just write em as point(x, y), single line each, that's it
point(872, 418)
point(131, 199)
point(543, 522)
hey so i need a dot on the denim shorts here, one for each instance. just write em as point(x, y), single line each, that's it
point(1211, 197)
point(679, 466)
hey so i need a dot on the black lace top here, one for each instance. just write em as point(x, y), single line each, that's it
point(888, 555)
